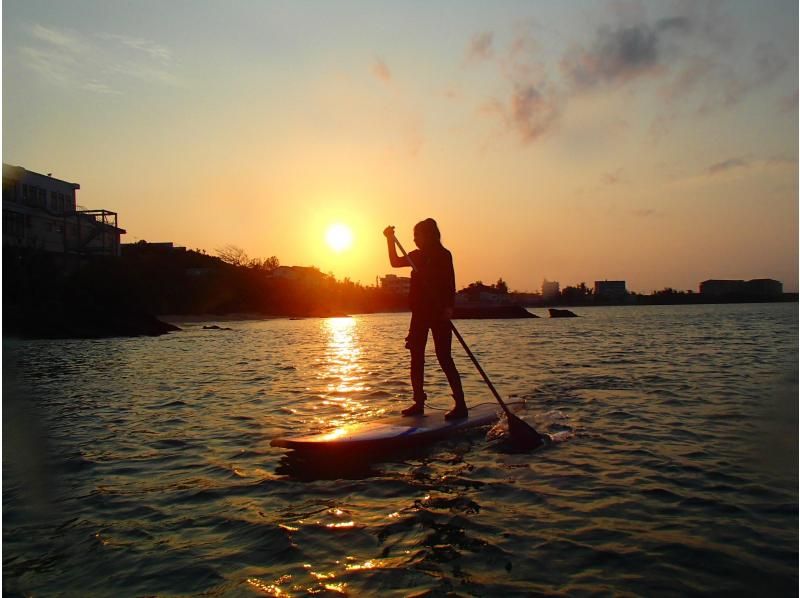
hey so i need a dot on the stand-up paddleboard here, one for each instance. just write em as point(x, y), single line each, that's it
point(393, 433)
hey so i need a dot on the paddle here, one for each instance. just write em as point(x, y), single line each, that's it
point(522, 435)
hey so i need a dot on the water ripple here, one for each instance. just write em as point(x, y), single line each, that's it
point(143, 466)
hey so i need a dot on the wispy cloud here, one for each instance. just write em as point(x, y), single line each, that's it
point(532, 111)
point(620, 54)
point(381, 71)
point(480, 48)
point(727, 165)
point(150, 48)
point(694, 57)
point(63, 39)
point(613, 178)
point(789, 102)
point(101, 63)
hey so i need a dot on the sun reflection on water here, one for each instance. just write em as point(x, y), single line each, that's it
point(344, 377)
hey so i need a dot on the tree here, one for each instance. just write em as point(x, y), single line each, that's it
point(231, 254)
point(501, 286)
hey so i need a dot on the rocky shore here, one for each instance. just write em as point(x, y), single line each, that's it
point(491, 312)
point(82, 324)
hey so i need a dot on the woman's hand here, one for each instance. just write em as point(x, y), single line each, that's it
point(447, 314)
point(388, 232)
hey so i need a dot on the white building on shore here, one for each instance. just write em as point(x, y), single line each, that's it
point(41, 212)
point(399, 285)
point(550, 290)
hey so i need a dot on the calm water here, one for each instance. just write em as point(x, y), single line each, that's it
point(142, 466)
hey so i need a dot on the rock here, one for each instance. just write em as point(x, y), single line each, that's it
point(561, 313)
point(491, 312)
point(60, 324)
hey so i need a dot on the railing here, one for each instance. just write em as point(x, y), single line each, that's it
point(105, 217)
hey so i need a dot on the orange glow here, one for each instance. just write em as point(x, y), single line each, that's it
point(337, 433)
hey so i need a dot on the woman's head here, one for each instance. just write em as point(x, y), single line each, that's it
point(426, 234)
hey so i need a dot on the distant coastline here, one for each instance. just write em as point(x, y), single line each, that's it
point(49, 295)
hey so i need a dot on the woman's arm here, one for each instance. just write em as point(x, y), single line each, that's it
point(395, 260)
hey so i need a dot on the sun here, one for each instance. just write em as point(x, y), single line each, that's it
point(339, 237)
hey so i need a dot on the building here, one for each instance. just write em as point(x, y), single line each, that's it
point(759, 288)
point(550, 290)
point(399, 285)
point(41, 212)
point(610, 290)
point(298, 273)
point(482, 295)
point(143, 247)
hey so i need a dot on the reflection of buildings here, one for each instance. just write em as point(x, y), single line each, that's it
point(398, 285)
point(40, 212)
point(760, 288)
point(613, 290)
point(550, 290)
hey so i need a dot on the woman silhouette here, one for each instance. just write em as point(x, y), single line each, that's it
point(431, 299)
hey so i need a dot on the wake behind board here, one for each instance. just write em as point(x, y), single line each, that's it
point(393, 433)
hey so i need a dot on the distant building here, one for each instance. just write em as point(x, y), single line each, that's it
point(613, 290)
point(759, 288)
point(40, 212)
point(481, 294)
point(298, 273)
point(765, 287)
point(142, 247)
point(550, 290)
point(399, 285)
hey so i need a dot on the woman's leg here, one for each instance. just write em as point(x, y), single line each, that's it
point(443, 341)
point(416, 341)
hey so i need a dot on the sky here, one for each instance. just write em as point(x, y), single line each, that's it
point(651, 142)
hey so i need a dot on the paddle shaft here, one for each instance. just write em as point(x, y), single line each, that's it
point(463, 342)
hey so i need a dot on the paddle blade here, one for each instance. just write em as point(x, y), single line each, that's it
point(523, 437)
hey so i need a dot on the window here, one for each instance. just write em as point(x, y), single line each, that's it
point(42, 198)
point(9, 190)
point(60, 202)
point(13, 223)
point(53, 201)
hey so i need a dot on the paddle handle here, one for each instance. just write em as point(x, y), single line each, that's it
point(462, 341)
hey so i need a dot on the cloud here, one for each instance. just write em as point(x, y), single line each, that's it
point(620, 54)
point(480, 48)
point(789, 102)
point(727, 165)
point(644, 212)
point(63, 39)
point(102, 63)
point(150, 48)
point(381, 71)
point(532, 112)
point(695, 60)
point(613, 178)
point(531, 105)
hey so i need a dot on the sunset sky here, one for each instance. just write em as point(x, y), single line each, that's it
point(654, 142)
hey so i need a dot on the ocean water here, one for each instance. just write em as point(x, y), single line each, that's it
point(136, 467)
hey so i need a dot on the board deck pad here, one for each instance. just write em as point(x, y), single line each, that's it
point(391, 432)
